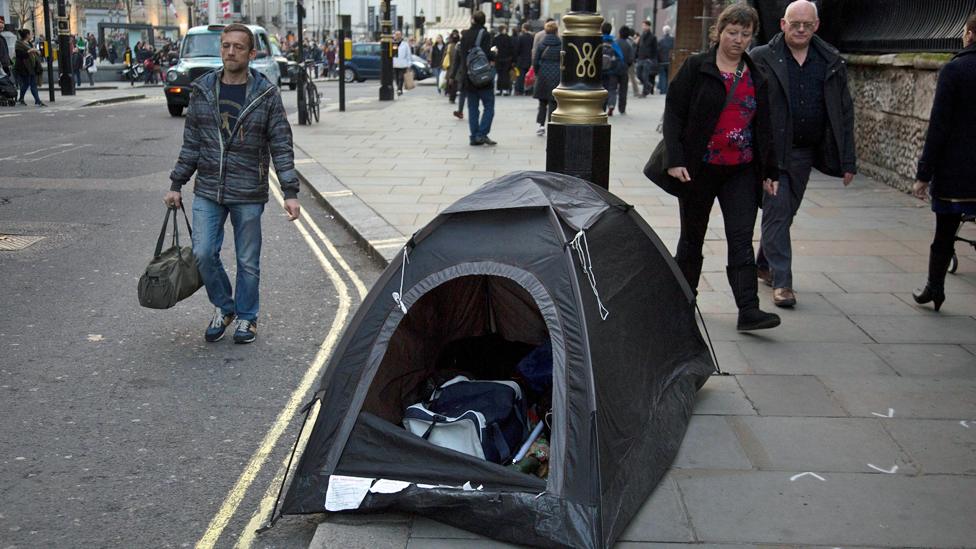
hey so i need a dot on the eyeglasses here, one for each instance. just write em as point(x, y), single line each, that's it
point(805, 25)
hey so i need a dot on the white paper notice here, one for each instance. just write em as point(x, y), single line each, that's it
point(346, 492)
point(387, 486)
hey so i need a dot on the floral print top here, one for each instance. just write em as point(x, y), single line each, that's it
point(731, 142)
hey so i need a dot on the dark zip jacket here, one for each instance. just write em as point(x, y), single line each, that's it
point(947, 158)
point(835, 155)
point(694, 104)
point(235, 170)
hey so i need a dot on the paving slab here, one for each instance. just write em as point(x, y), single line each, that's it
point(722, 395)
point(661, 518)
point(871, 304)
point(730, 358)
point(710, 443)
point(824, 444)
point(909, 397)
point(927, 360)
point(361, 534)
point(931, 328)
point(902, 283)
point(806, 358)
point(775, 395)
point(798, 326)
point(937, 446)
point(844, 510)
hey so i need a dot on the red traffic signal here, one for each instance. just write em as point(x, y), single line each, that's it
point(498, 9)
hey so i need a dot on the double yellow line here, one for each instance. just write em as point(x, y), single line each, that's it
point(332, 265)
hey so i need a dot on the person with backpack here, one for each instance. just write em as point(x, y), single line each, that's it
point(614, 69)
point(477, 56)
point(627, 48)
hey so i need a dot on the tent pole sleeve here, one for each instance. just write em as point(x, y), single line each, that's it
point(709, 338)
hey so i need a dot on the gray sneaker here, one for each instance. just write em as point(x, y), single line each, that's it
point(246, 332)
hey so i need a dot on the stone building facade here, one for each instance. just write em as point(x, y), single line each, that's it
point(892, 100)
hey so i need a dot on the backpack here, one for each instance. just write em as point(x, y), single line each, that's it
point(611, 62)
point(484, 419)
point(480, 72)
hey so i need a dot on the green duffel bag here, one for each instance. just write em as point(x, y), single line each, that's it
point(171, 276)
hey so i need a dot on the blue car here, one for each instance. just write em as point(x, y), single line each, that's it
point(365, 64)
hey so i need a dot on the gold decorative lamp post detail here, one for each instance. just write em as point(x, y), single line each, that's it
point(578, 138)
point(580, 95)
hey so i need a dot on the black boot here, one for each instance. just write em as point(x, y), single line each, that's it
point(691, 268)
point(934, 290)
point(745, 287)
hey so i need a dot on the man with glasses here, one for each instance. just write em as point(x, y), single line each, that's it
point(813, 125)
point(235, 125)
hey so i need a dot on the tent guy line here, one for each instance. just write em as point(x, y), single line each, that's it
point(233, 500)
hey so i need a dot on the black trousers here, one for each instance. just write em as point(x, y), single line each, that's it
point(737, 190)
point(398, 73)
point(545, 111)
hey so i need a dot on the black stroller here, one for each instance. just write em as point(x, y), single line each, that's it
point(954, 262)
point(8, 91)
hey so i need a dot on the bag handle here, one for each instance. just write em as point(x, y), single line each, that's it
point(735, 83)
point(176, 235)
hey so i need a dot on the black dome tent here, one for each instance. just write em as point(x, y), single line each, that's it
point(534, 257)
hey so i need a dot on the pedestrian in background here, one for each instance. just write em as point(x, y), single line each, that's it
point(627, 48)
point(523, 57)
point(88, 65)
point(504, 58)
point(664, 47)
point(28, 67)
point(547, 75)
point(455, 73)
point(230, 156)
point(402, 59)
point(77, 63)
point(437, 50)
point(946, 170)
point(614, 68)
point(719, 145)
point(628, 38)
point(646, 59)
point(479, 124)
point(813, 121)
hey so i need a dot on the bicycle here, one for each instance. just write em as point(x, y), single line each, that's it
point(308, 99)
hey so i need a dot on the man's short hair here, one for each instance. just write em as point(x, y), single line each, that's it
point(24, 33)
point(971, 23)
point(606, 28)
point(237, 27)
point(646, 22)
point(478, 17)
point(624, 32)
point(551, 27)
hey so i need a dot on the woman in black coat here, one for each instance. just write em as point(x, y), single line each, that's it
point(719, 145)
point(946, 170)
point(546, 65)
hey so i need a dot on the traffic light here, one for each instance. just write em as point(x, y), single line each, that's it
point(498, 8)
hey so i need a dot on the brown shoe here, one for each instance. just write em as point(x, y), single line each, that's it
point(784, 297)
point(765, 275)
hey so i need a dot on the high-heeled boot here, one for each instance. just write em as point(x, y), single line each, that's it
point(745, 287)
point(934, 289)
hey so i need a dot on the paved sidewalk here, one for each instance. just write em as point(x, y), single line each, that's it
point(860, 386)
point(103, 93)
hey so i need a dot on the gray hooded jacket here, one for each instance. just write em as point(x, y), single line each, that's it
point(235, 170)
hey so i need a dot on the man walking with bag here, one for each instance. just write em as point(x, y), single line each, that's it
point(235, 125)
point(477, 57)
point(813, 126)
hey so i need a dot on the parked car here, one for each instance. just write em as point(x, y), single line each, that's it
point(287, 68)
point(365, 64)
point(200, 54)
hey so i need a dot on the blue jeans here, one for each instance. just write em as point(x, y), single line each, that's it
point(483, 127)
point(208, 236)
point(662, 77)
point(29, 82)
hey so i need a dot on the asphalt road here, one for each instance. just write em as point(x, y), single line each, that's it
point(121, 426)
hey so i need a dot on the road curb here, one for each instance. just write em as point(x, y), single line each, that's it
point(112, 100)
point(374, 234)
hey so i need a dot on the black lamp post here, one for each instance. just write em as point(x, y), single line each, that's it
point(386, 53)
point(578, 141)
point(49, 51)
point(64, 51)
point(189, 13)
